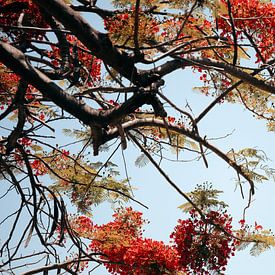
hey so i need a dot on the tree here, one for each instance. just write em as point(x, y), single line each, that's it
point(59, 71)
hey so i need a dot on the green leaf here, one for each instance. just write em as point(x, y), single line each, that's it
point(258, 248)
point(141, 161)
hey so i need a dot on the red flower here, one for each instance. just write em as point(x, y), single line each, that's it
point(202, 245)
point(242, 222)
point(171, 119)
point(258, 227)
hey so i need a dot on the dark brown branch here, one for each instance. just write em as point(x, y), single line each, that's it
point(5, 244)
point(186, 18)
point(34, 196)
point(212, 64)
point(231, 19)
point(167, 67)
point(13, 7)
point(19, 242)
point(16, 133)
point(42, 61)
point(170, 52)
point(29, 28)
point(223, 95)
point(136, 28)
point(133, 103)
point(55, 266)
point(63, 44)
point(232, 70)
point(15, 60)
point(103, 13)
point(256, 48)
point(109, 90)
point(98, 43)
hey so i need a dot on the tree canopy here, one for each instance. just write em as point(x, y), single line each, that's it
point(82, 79)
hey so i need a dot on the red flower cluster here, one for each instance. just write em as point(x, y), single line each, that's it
point(92, 72)
point(204, 245)
point(200, 245)
point(82, 225)
point(39, 168)
point(8, 84)
point(114, 238)
point(129, 253)
point(25, 141)
point(117, 21)
point(257, 18)
point(146, 256)
point(12, 10)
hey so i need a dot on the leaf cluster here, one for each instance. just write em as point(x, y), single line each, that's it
point(205, 198)
point(251, 162)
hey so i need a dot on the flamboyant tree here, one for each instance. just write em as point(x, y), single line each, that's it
point(106, 90)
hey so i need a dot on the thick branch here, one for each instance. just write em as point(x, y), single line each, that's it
point(16, 133)
point(167, 67)
point(212, 64)
point(234, 71)
point(133, 103)
point(226, 92)
point(103, 13)
point(15, 60)
point(55, 266)
point(98, 43)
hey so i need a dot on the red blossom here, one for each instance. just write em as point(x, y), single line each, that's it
point(25, 141)
point(65, 152)
point(32, 17)
point(258, 227)
point(257, 19)
point(242, 222)
point(91, 63)
point(39, 167)
point(171, 119)
point(202, 245)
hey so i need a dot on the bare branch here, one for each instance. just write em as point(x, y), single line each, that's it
point(180, 130)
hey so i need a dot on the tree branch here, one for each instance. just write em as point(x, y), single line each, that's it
point(16, 61)
point(227, 91)
point(136, 123)
point(98, 43)
point(232, 70)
